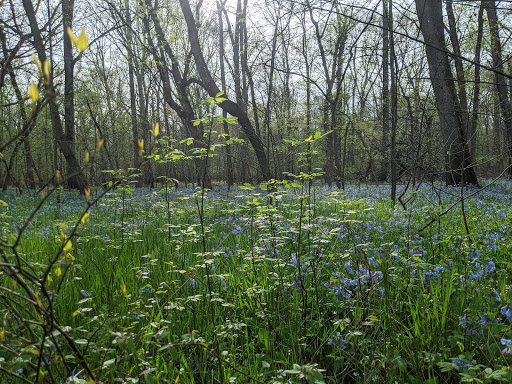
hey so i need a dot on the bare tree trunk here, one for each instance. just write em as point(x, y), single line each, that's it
point(476, 91)
point(29, 161)
point(131, 81)
point(458, 163)
point(394, 103)
point(459, 69)
point(75, 178)
point(308, 99)
point(385, 92)
point(69, 78)
point(268, 111)
point(211, 87)
point(147, 169)
point(229, 161)
point(501, 84)
point(183, 106)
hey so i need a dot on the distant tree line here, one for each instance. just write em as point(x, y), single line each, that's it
point(400, 92)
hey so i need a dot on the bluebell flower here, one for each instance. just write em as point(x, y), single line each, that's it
point(507, 312)
point(238, 230)
point(475, 254)
point(461, 364)
point(85, 293)
point(508, 346)
point(494, 295)
point(338, 341)
point(486, 319)
point(470, 325)
point(293, 261)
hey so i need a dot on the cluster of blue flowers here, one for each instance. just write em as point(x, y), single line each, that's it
point(488, 319)
point(471, 326)
point(338, 341)
point(507, 312)
point(508, 346)
point(356, 276)
point(461, 364)
point(482, 269)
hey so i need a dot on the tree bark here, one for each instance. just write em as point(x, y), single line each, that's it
point(69, 78)
point(459, 69)
point(211, 87)
point(458, 162)
point(75, 178)
point(394, 104)
point(501, 83)
point(229, 160)
point(385, 92)
point(182, 104)
point(476, 91)
point(131, 80)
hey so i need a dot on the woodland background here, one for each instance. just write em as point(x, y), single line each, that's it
point(402, 90)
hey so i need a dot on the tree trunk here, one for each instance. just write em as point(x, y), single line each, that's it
point(476, 91)
point(131, 80)
point(27, 126)
point(394, 103)
point(458, 162)
point(69, 91)
point(211, 87)
point(459, 71)
point(75, 178)
point(229, 160)
point(385, 92)
point(183, 106)
point(501, 84)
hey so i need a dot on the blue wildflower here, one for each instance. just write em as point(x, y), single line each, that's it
point(469, 324)
point(507, 312)
point(338, 341)
point(461, 364)
point(508, 346)
point(486, 319)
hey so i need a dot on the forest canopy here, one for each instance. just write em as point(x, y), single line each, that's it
point(399, 90)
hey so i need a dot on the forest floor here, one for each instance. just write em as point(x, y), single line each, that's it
point(301, 285)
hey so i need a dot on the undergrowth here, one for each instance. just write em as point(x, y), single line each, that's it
point(302, 284)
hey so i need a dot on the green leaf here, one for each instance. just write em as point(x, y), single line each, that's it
point(219, 94)
point(318, 134)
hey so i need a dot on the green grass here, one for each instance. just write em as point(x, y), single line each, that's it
point(328, 286)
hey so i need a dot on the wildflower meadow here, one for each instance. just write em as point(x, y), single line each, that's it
point(306, 283)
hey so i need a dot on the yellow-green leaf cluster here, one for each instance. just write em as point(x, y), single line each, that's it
point(81, 43)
